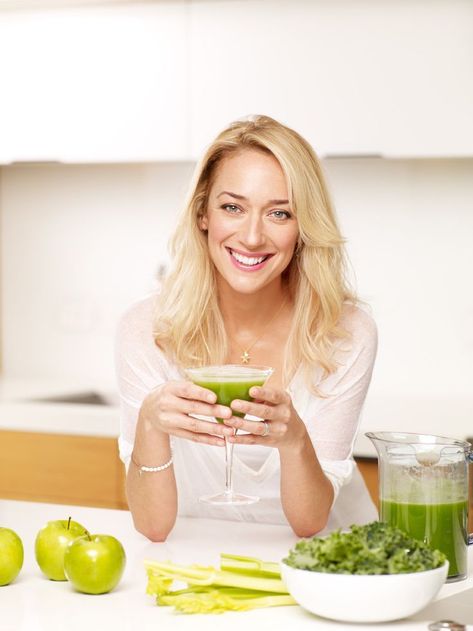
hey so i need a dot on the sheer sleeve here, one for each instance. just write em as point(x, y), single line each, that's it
point(140, 368)
point(334, 418)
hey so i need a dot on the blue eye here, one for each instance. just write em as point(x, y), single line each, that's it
point(231, 208)
point(281, 214)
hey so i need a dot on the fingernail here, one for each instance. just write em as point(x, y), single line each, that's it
point(211, 398)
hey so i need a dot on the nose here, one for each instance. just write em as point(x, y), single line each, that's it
point(252, 231)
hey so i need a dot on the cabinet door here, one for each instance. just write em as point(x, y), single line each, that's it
point(381, 77)
point(96, 84)
point(61, 469)
point(369, 470)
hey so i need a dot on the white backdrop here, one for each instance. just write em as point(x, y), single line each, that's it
point(79, 243)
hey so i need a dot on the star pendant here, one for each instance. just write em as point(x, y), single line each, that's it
point(245, 358)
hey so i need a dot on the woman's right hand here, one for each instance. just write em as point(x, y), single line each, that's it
point(168, 409)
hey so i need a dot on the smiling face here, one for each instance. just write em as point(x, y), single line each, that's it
point(252, 231)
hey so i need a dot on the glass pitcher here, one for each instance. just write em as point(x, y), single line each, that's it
point(423, 490)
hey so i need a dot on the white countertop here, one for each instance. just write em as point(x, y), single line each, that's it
point(24, 407)
point(60, 418)
point(33, 603)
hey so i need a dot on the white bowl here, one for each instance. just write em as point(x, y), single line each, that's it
point(360, 597)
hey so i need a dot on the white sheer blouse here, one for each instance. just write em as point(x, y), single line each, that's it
point(332, 422)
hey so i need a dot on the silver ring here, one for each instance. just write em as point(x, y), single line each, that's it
point(266, 428)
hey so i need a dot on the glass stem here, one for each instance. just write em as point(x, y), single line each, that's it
point(228, 467)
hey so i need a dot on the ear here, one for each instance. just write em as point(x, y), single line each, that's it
point(203, 223)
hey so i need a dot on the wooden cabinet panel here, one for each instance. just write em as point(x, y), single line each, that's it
point(62, 469)
point(369, 470)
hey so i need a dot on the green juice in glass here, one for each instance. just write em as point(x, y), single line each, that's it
point(441, 526)
point(228, 391)
point(229, 382)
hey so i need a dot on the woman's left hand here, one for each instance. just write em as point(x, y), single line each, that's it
point(281, 426)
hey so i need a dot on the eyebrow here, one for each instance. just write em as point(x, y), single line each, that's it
point(243, 198)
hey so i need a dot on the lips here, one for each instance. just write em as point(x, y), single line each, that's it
point(250, 261)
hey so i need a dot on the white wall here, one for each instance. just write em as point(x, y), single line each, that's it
point(78, 243)
point(409, 226)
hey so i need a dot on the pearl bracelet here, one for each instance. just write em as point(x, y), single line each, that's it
point(144, 469)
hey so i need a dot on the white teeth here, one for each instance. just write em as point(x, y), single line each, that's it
point(247, 260)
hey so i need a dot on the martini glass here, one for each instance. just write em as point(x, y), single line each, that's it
point(229, 382)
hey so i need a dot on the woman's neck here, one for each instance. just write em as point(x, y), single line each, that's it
point(249, 313)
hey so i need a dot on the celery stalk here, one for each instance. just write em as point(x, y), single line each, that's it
point(235, 563)
point(240, 584)
point(201, 575)
point(216, 601)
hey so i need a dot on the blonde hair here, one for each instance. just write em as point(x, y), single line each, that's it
point(189, 326)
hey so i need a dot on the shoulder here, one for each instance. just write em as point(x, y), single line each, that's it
point(358, 322)
point(361, 328)
point(140, 365)
point(136, 322)
point(135, 344)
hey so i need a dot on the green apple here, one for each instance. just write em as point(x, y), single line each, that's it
point(51, 543)
point(11, 555)
point(94, 564)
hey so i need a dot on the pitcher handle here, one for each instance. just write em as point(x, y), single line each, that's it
point(470, 536)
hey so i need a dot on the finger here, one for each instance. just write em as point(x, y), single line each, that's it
point(199, 426)
point(253, 427)
point(269, 395)
point(205, 439)
point(189, 390)
point(176, 422)
point(203, 409)
point(261, 410)
point(248, 439)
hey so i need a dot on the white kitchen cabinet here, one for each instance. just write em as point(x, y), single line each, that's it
point(48, 4)
point(156, 80)
point(373, 77)
point(94, 84)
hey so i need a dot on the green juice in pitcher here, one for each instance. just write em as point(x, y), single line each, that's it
point(440, 526)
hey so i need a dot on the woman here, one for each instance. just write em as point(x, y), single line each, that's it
point(257, 277)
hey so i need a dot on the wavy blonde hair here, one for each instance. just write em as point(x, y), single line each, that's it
point(189, 326)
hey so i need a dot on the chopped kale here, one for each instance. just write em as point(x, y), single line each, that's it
point(375, 548)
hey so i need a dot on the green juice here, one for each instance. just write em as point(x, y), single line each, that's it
point(228, 391)
point(441, 526)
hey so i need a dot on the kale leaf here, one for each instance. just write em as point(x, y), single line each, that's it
point(375, 548)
